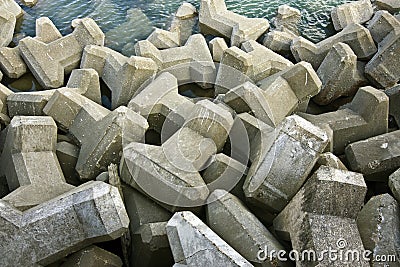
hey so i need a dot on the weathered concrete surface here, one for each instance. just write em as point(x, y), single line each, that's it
point(92, 256)
point(356, 36)
point(382, 24)
point(341, 74)
point(375, 157)
point(384, 69)
point(277, 96)
point(49, 62)
point(11, 61)
point(279, 41)
point(163, 39)
point(287, 19)
point(216, 19)
point(93, 212)
point(364, 117)
point(330, 199)
point(394, 184)
point(392, 6)
point(184, 229)
point(82, 81)
point(330, 160)
point(245, 233)
point(349, 13)
point(284, 163)
point(162, 105)
point(379, 226)
point(7, 25)
point(217, 47)
point(11, 6)
point(253, 62)
point(191, 63)
point(123, 75)
point(30, 164)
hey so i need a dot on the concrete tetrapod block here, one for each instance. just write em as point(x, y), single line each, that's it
point(162, 105)
point(49, 62)
point(375, 157)
point(30, 164)
point(92, 256)
point(392, 6)
point(217, 47)
point(383, 69)
point(82, 81)
point(287, 20)
point(365, 116)
point(179, 31)
point(394, 97)
point(217, 20)
point(242, 230)
point(191, 63)
point(193, 243)
point(92, 212)
point(11, 61)
point(279, 41)
point(394, 184)
point(67, 155)
point(11, 6)
point(253, 62)
point(330, 199)
point(355, 12)
point(382, 24)
point(284, 163)
point(330, 160)
point(29, 3)
point(356, 36)
point(379, 226)
point(341, 74)
point(7, 25)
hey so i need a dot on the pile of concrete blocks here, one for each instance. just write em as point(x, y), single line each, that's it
point(294, 149)
point(215, 19)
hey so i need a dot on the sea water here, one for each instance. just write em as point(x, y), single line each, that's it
point(127, 21)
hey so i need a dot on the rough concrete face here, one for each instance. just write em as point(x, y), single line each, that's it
point(341, 74)
point(210, 249)
point(392, 6)
point(11, 61)
point(330, 160)
point(375, 157)
point(162, 105)
point(12, 7)
point(287, 19)
point(30, 164)
point(7, 25)
point(253, 62)
point(330, 198)
point(49, 62)
point(92, 256)
point(217, 47)
point(364, 117)
point(123, 75)
point(93, 212)
point(163, 39)
point(278, 173)
point(245, 233)
point(382, 24)
point(383, 68)
point(279, 41)
point(379, 226)
point(216, 19)
point(394, 184)
point(356, 36)
point(189, 63)
point(354, 12)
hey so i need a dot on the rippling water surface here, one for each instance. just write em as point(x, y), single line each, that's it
point(127, 21)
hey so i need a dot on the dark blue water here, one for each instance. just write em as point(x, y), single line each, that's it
point(126, 22)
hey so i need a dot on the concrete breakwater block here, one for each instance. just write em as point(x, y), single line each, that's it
point(355, 12)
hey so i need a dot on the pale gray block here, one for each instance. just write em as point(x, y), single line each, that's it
point(87, 83)
point(279, 41)
point(11, 6)
point(287, 19)
point(382, 24)
point(92, 256)
point(217, 48)
point(349, 13)
point(7, 26)
point(184, 21)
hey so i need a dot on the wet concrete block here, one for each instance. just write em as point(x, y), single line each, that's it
point(191, 63)
point(279, 172)
point(92, 256)
point(225, 207)
point(7, 26)
point(382, 24)
point(30, 164)
point(364, 117)
point(330, 198)
point(49, 62)
point(349, 13)
point(341, 74)
point(356, 36)
point(253, 62)
point(93, 212)
point(217, 47)
point(184, 229)
point(379, 226)
point(217, 20)
point(375, 157)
